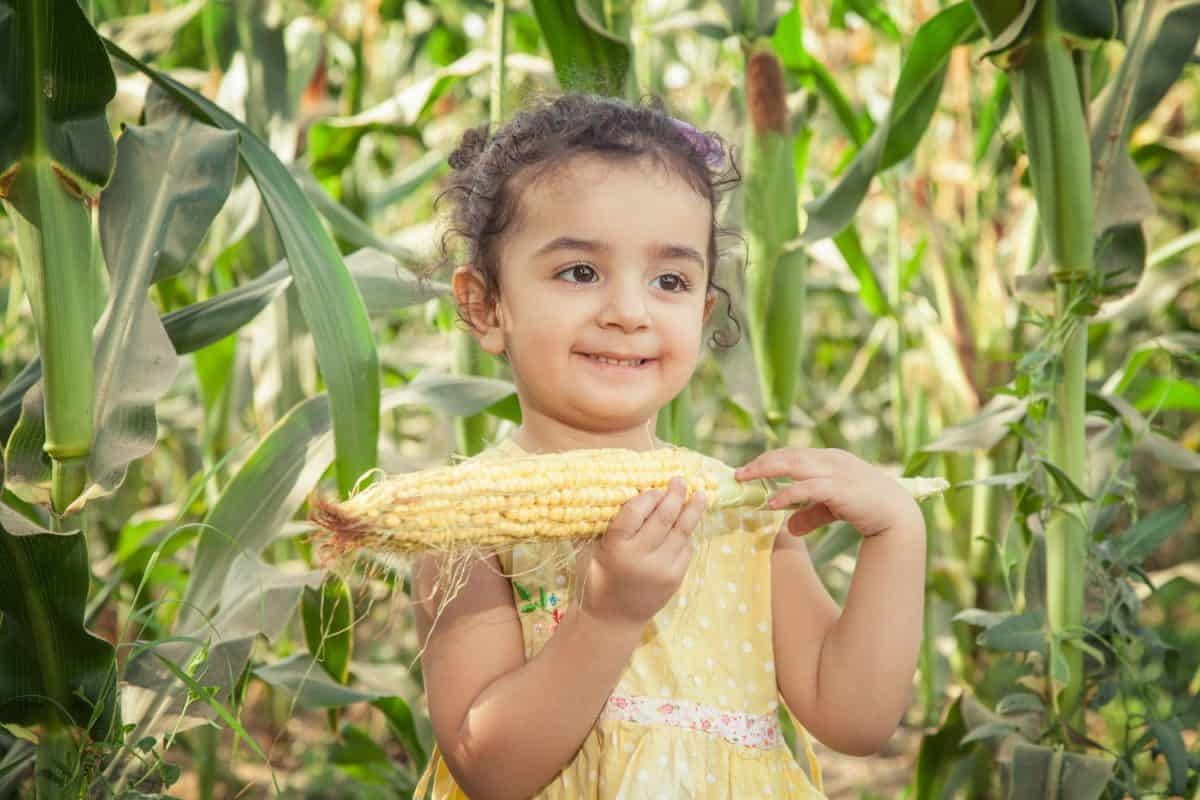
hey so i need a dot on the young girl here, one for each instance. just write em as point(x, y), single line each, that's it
point(592, 235)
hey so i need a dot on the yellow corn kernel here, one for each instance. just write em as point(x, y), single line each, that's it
point(491, 502)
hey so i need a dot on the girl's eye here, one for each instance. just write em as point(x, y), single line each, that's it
point(674, 282)
point(579, 273)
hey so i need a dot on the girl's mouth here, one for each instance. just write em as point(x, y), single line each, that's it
point(621, 363)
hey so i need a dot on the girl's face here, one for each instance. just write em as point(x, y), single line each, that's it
point(602, 300)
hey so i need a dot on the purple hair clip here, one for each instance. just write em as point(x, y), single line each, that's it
point(708, 147)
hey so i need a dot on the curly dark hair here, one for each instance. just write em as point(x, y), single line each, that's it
point(490, 170)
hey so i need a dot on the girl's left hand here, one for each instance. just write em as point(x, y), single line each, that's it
point(834, 484)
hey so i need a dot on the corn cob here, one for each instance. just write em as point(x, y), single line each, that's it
point(494, 502)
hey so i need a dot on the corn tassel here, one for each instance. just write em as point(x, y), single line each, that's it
point(556, 496)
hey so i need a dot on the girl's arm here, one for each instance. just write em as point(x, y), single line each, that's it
point(505, 726)
point(846, 673)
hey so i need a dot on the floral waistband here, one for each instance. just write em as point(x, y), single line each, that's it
point(760, 731)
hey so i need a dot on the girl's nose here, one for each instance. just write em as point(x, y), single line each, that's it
point(625, 306)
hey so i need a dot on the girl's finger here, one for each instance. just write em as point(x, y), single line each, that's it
point(803, 493)
point(658, 525)
point(793, 462)
point(689, 517)
point(809, 519)
point(681, 559)
point(633, 514)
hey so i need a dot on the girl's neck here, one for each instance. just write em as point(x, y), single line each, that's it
point(555, 438)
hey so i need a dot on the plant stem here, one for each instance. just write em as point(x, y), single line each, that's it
point(472, 432)
point(69, 478)
point(1053, 117)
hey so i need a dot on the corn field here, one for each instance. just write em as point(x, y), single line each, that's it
point(970, 248)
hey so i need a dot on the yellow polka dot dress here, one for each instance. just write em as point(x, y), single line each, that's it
point(696, 712)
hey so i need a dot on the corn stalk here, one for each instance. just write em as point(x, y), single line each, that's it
point(1053, 117)
point(775, 291)
point(50, 168)
point(473, 431)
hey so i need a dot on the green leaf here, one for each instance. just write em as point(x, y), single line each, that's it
point(1008, 480)
point(333, 309)
point(1006, 22)
point(27, 467)
point(1165, 450)
point(1018, 633)
point(869, 290)
point(1137, 543)
point(358, 747)
point(914, 101)
point(402, 185)
point(980, 617)
point(939, 751)
point(1169, 394)
point(333, 141)
point(303, 676)
point(983, 431)
point(146, 35)
point(991, 730)
point(1070, 492)
point(788, 43)
point(1166, 56)
point(750, 18)
point(281, 472)
point(49, 662)
point(343, 221)
point(328, 615)
point(459, 395)
point(1075, 776)
point(1162, 42)
point(403, 724)
point(257, 601)
point(55, 83)
point(208, 698)
point(1020, 703)
point(1170, 742)
point(1088, 19)
point(992, 115)
point(172, 177)
point(587, 55)
point(386, 286)
point(871, 11)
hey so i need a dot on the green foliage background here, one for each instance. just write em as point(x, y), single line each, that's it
point(252, 258)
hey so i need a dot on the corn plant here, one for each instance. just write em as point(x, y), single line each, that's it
point(55, 152)
point(172, 176)
point(473, 432)
point(1044, 48)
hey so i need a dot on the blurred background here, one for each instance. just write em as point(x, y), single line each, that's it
point(242, 285)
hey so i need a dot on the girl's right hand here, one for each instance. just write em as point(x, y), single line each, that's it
point(631, 571)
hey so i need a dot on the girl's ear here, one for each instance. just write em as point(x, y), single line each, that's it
point(483, 315)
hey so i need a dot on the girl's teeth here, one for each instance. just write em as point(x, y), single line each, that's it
point(604, 360)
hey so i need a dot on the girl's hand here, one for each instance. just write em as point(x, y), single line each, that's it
point(834, 484)
point(631, 571)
